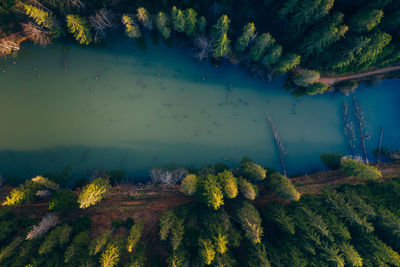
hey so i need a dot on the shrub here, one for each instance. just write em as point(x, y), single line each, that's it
point(359, 170)
point(63, 201)
point(331, 160)
point(93, 193)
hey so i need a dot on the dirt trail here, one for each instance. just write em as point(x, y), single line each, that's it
point(333, 80)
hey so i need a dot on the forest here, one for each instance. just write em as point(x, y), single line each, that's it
point(298, 38)
point(222, 219)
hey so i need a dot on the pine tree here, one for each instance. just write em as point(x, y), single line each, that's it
point(58, 236)
point(9, 250)
point(229, 183)
point(78, 249)
point(250, 221)
point(359, 170)
point(248, 190)
point(288, 62)
point(253, 171)
point(207, 251)
point(110, 256)
point(93, 193)
point(134, 236)
point(272, 55)
point(177, 232)
point(260, 45)
point(283, 186)
point(178, 19)
point(248, 33)
point(212, 192)
point(221, 27)
point(220, 243)
point(131, 28)
point(97, 244)
point(144, 17)
point(79, 27)
point(351, 255)
point(306, 78)
point(41, 17)
point(166, 223)
point(202, 25)
point(191, 21)
point(221, 46)
point(316, 88)
point(365, 20)
point(162, 24)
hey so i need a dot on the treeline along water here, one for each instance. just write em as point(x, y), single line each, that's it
point(121, 107)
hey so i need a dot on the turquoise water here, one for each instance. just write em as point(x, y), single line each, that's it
point(120, 107)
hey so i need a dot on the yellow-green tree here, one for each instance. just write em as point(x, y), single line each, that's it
point(191, 21)
point(79, 27)
point(189, 184)
point(41, 17)
point(248, 33)
point(144, 17)
point(178, 19)
point(110, 256)
point(207, 251)
point(251, 222)
point(134, 236)
point(162, 24)
point(283, 186)
point(212, 192)
point(220, 243)
point(359, 170)
point(93, 193)
point(131, 28)
point(229, 183)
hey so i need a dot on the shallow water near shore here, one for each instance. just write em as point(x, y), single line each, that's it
point(120, 107)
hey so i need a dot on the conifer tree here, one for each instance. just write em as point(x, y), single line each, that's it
point(93, 193)
point(166, 223)
point(97, 244)
point(272, 55)
point(288, 62)
point(178, 19)
point(162, 24)
point(359, 170)
point(79, 27)
point(134, 236)
point(202, 24)
point(283, 186)
point(250, 221)
point(191, 21)
point(41, 17)
point(207, 251)
point(221, 27)
point(248, 190)
point(261, 44)
point(144, 17)
point(229, 183)
point(110, 256)
point(58, 236)
point(212, 192)
point(131, 28)
point(221, 46)
point(248, 33)
point(253, 171)
point(220, 243)
point(365, 20)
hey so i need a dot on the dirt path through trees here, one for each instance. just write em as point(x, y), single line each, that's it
point(333, 80)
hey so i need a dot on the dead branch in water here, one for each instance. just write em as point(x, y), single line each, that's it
point(278, 143)
point(361, 124)
point(101, 21)
point(380, 145)
point(348, 127)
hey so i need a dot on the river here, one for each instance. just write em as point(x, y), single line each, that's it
point(121, 107)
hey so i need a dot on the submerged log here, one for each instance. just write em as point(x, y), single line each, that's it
point(278, 143)
point(361, 123)
point(380, 145)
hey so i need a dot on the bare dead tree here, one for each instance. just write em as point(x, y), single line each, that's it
point(43, 227)
point(101, 21)
point(279, 143)
point(7, 46)
point(36, 34)
point(167, 177)
point(203, 47)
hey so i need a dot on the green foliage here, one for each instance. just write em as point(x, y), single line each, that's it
point(59, 236)
point(359, 170)
point(189, 184)
point(207, 251)
point(316, 88)
point(191, 22)
point(253, 171)
point(279, 216)
point(248, 190)
point(41, 17)
point(9, 250)
point(79, 27)
point(162, 24)
point(256, 256)
point(177, 259)
point(288, 62)
point(134, 236)
point(110, 256)
point(229, 183)
point(131, 28)
point(211, 192)
point(306, 77)
point(261, 44)
point(248, 33)
point(351, 255)
point(220, 243)
point(250, 221)
point(24, 193)
point(331, 160)
point(221, 46)
point(365, 20)
point(93, 193)
point(272, 55)
point(144, 17)
point(97, 244)
point(283, 186)
point(178, 19)
point(63, 201)
point(77, 251)
point(202, 24)
point(166, 223)
point(221, 27)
